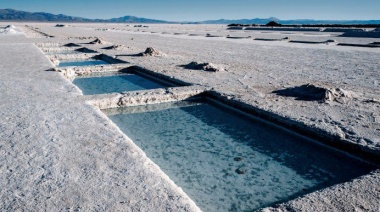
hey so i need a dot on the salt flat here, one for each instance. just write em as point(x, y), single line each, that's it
point(60, 153)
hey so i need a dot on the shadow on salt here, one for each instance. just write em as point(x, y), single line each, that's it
point(100, 59)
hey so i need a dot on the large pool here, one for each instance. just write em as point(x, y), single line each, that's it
point(226, 161)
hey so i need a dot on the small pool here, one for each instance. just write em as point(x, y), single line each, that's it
point(58, 51)
point(226, 161)
point(116, 84)
point(63, 52)
point(82, 63)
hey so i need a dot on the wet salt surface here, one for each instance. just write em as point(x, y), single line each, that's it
point(118, 83)
point(227, 162)
point(82, 63)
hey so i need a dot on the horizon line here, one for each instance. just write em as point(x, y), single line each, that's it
point(271, 17)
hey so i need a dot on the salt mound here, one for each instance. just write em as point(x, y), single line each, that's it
point(213, 36)
point(205, 67)
point(10, 27)
point(116, 47)
point(54, 61)
point(8, 31)
point(310, 92)
point(60, 25)
point(98, 41)
point(150, 51)
point(338, 95)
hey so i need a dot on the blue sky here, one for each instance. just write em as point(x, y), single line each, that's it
point(197, 10)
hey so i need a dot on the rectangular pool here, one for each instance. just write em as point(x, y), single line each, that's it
point(116, 84)
point(226, 161)
point(82, 63)
point(70, 51)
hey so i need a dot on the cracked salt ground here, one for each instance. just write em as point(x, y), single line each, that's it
point(226, 162)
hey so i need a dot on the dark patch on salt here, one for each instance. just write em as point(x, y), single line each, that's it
point(203, 66)
point(309, 92)
point(306, 92)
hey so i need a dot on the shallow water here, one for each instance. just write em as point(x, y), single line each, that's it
point(111, 84)
point(227, 162)
point(82, 63)
point(63, 52)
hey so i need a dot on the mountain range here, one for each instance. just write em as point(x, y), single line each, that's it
point(16, 15)
point(261, 21)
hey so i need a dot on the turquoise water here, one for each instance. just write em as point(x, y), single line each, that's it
point(227, 162)
point(112, 84)
point(82, 63)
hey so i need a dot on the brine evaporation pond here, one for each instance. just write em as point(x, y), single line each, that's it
point(82, 63)
point(63, 52)
point(226, 161)
point(115, 83)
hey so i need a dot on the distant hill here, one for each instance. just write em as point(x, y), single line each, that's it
point(239, 21)
point(133, 19)
point(289, 22)
point(16, 15)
